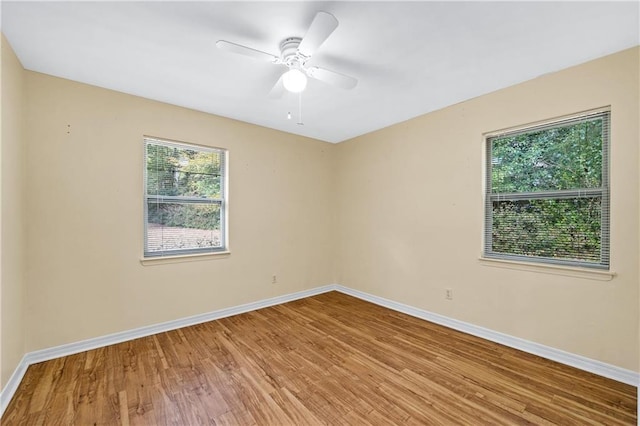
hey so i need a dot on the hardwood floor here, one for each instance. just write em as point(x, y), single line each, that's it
point(328, 359)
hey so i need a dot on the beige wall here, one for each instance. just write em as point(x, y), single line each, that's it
point(85, 214)
point(12, 225)
point(411, 212)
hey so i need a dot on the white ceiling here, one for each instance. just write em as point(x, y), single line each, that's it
point(410, 57)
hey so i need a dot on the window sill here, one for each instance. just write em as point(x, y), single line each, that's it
point(149, 261)
point(568, 271)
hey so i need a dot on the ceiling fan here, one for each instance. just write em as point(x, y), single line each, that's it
point(295, 52)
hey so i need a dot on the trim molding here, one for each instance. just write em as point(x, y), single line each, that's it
point(136, 333)
point(12, 384)
point(580, 362)
point(583, 363)
point(110, 339)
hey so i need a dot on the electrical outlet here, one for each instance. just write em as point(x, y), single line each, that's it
point(274, 279)
point(448, 294)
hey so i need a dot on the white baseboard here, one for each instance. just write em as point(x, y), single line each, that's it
point(12, 384)
point(583, 363)
point(111, 339)
point(597, 367)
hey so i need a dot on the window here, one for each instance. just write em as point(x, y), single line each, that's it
point(184, 199)
point(547, 193)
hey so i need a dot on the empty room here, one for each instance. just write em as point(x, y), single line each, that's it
point(319, 213)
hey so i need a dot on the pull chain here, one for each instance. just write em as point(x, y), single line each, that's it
point(300, 122)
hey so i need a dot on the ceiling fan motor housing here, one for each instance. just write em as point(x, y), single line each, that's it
point(289, 53)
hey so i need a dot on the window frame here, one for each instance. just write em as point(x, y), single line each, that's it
point(603, 192)
point(222, 201)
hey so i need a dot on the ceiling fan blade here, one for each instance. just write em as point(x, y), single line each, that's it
point(277, 90)
point(321, 28)
point(246, 51)
point(333, 78)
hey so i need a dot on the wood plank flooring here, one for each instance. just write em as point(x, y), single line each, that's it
point(328, 359)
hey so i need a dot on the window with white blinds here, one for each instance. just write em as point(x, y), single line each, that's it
point(184, 209)
point(547, 193)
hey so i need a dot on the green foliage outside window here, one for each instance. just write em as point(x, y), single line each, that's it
point(562, 158)
point(546, 193)
point(181, 172)
point(563, 229)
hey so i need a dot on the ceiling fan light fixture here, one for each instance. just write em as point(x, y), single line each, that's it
point(294, 80)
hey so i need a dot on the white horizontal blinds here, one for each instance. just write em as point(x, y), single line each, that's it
point(547, 196)
point(605, 214)
point(185, 197)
